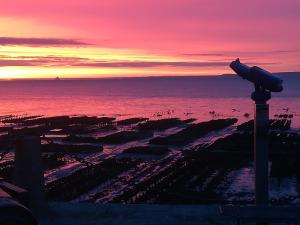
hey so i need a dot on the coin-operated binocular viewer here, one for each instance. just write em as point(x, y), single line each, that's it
point(264, 83)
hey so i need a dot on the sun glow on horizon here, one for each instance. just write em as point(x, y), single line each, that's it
point(75, 62)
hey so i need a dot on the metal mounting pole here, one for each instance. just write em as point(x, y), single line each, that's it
point(261, 146)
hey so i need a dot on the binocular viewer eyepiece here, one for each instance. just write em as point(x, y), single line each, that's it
point(260, 77)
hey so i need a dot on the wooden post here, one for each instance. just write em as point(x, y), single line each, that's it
point(28, 172)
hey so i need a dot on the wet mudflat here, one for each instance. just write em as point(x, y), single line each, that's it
point(142, 160)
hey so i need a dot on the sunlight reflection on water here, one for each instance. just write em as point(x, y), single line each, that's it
point(159, 97)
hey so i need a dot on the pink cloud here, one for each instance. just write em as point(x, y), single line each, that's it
point(172, 26)
point(40, 41)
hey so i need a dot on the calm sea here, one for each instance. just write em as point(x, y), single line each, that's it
point(184, 97)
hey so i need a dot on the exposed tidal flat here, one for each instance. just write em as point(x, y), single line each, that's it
point(152, 140)
point(106, 159)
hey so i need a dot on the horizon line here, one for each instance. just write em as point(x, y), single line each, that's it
point(130, 77)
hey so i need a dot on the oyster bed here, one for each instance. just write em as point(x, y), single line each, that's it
point(141, 160)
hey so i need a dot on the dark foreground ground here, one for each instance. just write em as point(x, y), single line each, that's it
point(163, 161)
point(141, 214)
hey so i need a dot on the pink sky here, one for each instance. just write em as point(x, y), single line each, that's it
point(196, 36)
